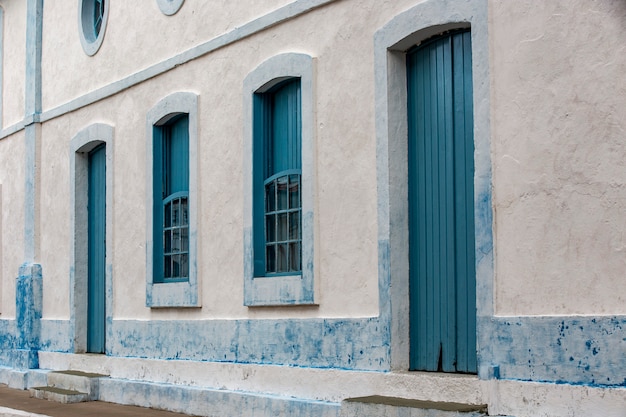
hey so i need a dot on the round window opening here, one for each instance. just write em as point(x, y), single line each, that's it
point(92, 20)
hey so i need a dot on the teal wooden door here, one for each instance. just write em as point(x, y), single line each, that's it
point(96, 218)
point(441, 205)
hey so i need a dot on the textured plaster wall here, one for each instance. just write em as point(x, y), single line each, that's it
point(12, 217)
point(54, 217)
point(14, 58)
point(339, 36)
point(345, 178)
point(154, 37)
point(558, 99)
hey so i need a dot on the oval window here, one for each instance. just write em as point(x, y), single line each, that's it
point(92, 20)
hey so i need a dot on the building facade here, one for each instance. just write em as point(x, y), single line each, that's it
point(317, 207)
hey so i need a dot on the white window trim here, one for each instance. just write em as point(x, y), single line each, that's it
point(90, 44)
point(173, 294)
point(292, 289)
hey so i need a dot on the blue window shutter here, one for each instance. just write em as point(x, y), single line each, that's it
point(170, 176)
point(261, 131)
point(158, 187)
point(464, 186)
point(284, 139)
point(276, 152)
point(441, 234)
point(177, 146)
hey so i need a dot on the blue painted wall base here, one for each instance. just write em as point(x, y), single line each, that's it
point(28, 307)
point(573, 350)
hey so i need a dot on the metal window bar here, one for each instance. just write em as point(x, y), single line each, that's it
point(176, 237)
point(283, 223)
point(98, 15)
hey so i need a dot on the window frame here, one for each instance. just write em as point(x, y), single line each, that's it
point(90, 41)
point(265, 172)
point(279, 289)
point(162, 157)
point(160, 292)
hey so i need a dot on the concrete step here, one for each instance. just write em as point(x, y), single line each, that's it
point(63, 396)
point(88, 383)
point(69, 387)
point(379, 406)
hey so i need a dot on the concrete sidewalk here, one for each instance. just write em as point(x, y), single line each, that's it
point(18, 403)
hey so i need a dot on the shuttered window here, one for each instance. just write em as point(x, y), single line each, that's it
point(171, 208)
point(278, 203)
point(441, 205)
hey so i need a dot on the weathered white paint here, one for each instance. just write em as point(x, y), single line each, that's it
point(559, 157)
point(13, 45)
point(12, 180)
point(172, 34)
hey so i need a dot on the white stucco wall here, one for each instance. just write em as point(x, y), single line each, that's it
point(14, 58)
point(559, 156)
point(12, 217)
point(346, 243)
point(135, 38)
point(558, 161)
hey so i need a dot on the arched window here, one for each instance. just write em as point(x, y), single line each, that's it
point(279, 183)
point(171, 156)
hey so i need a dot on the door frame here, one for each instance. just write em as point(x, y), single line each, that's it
point(391, 41)
point(81, 144)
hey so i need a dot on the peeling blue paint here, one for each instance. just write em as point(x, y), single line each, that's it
point(584, 351)
point(29, 300)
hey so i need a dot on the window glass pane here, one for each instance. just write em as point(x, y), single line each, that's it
point(167, 267)
point(175, 213)
point(294, 257)
point(294, 191)
point(184, 266)
point(176, 266)
point(184, 239)
point(270, 197)
point(167, 241)
point(282, 227)
point(282, 258)
point(294, 225)
point(270, 228)
point(185, 211)
point(270, 258)
point(282, 192)
point(98, 14)
point(167, 215)
point(176, 241)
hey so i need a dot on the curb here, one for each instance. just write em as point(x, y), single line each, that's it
point(10, 412)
